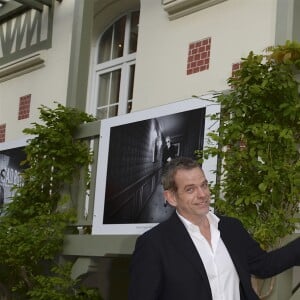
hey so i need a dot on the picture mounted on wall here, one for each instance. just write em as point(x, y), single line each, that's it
point(133, 150)
point(11, 155)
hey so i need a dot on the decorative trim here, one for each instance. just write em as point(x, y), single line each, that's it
point(235, 67)
point(198, 56)
point(25, 33)
point(22, 66)
point(12, 9)
point(164, 2)
point(2, 133)
point(24, 107)
point(180, 8)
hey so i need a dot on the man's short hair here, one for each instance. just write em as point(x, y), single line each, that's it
point(170, 170)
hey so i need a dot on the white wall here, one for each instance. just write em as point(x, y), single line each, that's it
point(235, 26)
point(47, 84)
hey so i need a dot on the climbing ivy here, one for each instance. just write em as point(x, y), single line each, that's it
point(33, 225)
point(259, 138)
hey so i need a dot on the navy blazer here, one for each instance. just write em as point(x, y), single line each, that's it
point(166, 265)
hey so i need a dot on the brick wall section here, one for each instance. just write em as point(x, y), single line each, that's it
point(24, 107)
point(235, 67)
point(2, 132)
point(198, 56)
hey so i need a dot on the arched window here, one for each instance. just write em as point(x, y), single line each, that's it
point(115, 67)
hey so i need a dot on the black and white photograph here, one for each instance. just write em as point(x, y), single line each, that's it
point(11, 156)
point(133, 150)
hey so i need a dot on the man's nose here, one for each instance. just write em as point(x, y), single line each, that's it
point(200, 191)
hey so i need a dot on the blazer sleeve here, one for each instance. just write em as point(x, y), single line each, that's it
point(267, 264)
point(145, 271)
point(250, 257)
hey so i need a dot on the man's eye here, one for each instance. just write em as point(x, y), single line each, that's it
point(190, 190)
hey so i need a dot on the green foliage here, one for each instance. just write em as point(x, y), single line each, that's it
point(259, 138)
point(33, 226)
point(53, 157)
point(59, 286)
point(288, 53)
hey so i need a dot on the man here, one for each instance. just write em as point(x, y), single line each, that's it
point(196, 255)
point(169, 151)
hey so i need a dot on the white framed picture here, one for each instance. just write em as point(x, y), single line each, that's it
point(132, 152)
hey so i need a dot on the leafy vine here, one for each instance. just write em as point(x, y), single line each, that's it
point(259, 138)
point(33, 226)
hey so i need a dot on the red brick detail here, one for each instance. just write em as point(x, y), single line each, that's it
point(2, 133)
point(198, 56)
point(235, 67)
point(24, 107)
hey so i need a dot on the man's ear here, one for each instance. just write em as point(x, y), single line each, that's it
point(170, 197)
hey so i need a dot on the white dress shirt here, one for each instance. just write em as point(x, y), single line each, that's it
point(221, 273)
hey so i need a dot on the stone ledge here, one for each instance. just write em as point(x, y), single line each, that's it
point(179, 8)
point(98, 245)
point(22, 66)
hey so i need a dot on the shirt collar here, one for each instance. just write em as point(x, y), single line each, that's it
point(212, 219)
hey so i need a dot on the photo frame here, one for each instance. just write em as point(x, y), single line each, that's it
point(129, 196)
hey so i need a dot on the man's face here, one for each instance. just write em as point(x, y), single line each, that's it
point(192, 197)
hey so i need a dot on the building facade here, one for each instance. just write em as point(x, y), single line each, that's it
point(114, 57)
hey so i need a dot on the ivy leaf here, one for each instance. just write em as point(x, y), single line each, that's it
point(262, 187)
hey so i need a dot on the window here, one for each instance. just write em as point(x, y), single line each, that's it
point(115, 67)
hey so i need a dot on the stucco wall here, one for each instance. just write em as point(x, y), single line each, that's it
point(46, 84)
point(235, 28)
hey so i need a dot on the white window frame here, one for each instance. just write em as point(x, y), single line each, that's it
point(122, 63)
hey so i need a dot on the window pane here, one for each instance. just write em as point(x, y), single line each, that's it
point(115, 86)
point(119, 35)
point(102, 113)
point(103, 92)
point(113, 111)
point(109, 88)
point(129, 106)
point(134, 31)
point(131, 82)
point(104, 53)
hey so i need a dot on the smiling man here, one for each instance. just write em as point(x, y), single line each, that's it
point(196, 255)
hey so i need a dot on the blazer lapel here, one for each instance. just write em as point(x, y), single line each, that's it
point(226, 236)
point(227, 233)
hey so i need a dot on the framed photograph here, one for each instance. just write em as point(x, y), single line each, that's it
point(133, 150)
point(11, 155)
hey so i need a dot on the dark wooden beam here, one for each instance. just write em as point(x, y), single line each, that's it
point(34, 4)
